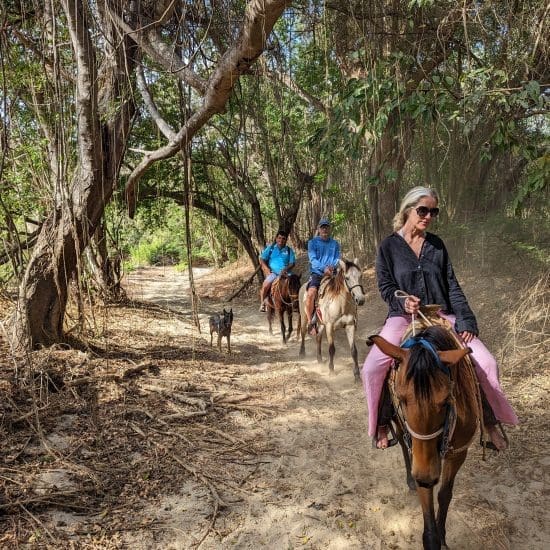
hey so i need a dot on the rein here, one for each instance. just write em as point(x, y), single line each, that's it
point(449, 424)
point(348, 296)
point(277, 287)
point(401, 295)
point(350, 288)
point(446, 431)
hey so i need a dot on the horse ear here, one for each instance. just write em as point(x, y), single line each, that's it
point(356, 261)
point(451, 357)
point(396, 352)
point(342, 265)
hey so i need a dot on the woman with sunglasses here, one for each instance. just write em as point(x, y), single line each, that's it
point(416, 262)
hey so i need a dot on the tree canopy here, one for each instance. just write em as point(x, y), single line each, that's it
point(254, 115)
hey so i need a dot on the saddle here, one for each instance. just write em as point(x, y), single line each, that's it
point(389, 402)
point(317, 316)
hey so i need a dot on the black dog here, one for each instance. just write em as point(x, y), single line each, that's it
point(222, 325)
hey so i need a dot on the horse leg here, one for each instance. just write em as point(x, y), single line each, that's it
point(229, 344)
point(288, 334)
point(430, 536)
point(319, 339)
point(281, 313)
point(331, 348)
point(302, 335)
point(219, 342)
point(270, 319)
point(445, 494)
point(350, 333)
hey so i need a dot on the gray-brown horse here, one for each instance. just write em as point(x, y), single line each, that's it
point(338, 298)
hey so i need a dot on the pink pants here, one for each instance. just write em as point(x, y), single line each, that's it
point(377, 364)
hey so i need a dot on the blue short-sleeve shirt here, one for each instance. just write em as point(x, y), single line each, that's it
point(279, 257)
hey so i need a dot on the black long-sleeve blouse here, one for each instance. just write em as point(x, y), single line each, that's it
point(430, 277)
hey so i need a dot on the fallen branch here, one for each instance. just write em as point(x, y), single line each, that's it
point(128, 373)
point(200, 403)
point(213, 491)
point(179, 416)
point(93, 379)
point(243, 286)
point(46, 499)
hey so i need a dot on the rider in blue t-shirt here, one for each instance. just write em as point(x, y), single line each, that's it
point(324, 254)
point(276, 259)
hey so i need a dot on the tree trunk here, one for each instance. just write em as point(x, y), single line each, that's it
point(42, 300)
point(387, 164)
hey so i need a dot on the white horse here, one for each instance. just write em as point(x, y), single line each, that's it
point(337, 301)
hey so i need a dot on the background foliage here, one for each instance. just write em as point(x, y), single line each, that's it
point(351, 104)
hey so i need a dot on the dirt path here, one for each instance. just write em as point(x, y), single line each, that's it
point(319, 483)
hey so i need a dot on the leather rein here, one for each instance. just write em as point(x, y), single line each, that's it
point(444, 432)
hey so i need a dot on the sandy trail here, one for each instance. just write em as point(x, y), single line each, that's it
point(321, 485)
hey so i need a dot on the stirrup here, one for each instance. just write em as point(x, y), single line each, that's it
point(489, 444)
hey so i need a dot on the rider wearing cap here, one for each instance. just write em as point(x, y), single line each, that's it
point(324, 254)
point(276, 259)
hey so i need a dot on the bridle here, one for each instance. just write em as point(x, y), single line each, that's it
point(293, 297)
point(351, 287)
point(446, 430)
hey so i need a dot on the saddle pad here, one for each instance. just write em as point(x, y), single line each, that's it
point(432, 318)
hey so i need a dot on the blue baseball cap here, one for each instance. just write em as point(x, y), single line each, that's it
point(324, 221)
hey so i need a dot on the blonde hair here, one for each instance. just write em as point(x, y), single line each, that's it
point(412, 198)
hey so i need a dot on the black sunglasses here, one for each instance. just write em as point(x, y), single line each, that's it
point(423, 211)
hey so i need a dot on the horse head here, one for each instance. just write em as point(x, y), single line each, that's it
point(353, 277)
point(294, 284)
point(423, 387)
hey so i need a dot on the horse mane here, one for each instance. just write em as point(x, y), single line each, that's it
point(336, 284)
point(423, 368)
point(333, 284)
point(294, 283)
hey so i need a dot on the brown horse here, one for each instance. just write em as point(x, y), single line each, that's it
point(283, 298)
point(339, 296)
point(437, 408)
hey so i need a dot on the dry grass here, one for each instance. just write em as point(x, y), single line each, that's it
point(101, 432)
point(95, 435)
point(529, 337)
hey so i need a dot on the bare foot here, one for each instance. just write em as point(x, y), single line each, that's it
point(496, 437)
point(382, 438)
